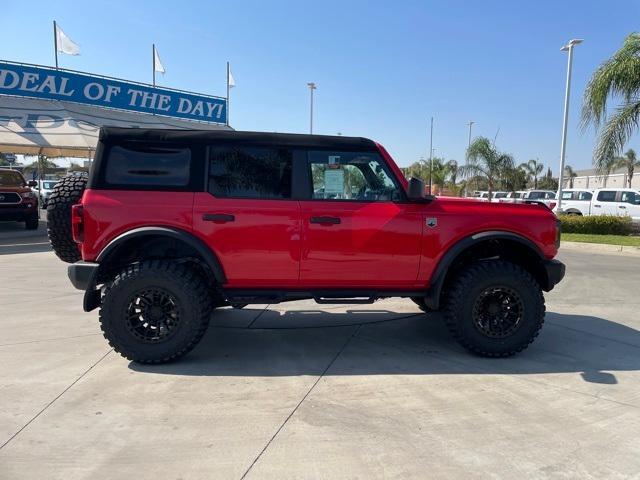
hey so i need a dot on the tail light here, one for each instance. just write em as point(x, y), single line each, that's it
point(77, 223)
point(552, 205)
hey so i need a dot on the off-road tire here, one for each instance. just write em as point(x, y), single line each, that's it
point(66, 193)
point(192, 297)
point(466, 289)
point(32, 222)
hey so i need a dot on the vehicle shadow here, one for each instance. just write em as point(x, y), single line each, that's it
point(366, 342)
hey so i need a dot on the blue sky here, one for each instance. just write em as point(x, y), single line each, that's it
point(382, 68)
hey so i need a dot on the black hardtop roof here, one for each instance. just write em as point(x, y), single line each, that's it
point(115, 134)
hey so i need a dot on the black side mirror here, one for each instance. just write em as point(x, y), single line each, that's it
point(416, 189)
point(32, 183)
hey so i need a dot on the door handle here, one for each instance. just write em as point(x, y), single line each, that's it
point(218, 217)
point(325, 220)
point(622, 206)
point(597, 206)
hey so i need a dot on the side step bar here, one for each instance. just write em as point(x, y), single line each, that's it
point(345, 300)
point(346, 297)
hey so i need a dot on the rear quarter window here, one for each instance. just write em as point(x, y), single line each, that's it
point(146, 166)
point(607, 196)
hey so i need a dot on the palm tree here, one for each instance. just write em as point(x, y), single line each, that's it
point(453, 171)
point(514, 179)
point(533, 169)
point(486, 162)
point(570, 174)
point(617, 77)
point(628, 161)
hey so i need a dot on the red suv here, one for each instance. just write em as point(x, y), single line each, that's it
point(17, 202)
point(173, 224)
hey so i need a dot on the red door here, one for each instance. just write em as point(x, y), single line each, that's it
point(357, 229)
point(257, 241)
point(248, 216)
point(354, 244)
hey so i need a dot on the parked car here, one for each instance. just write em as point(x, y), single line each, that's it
point(603, 201)
point(496, 196)
point(17, 202)
point(43, 189)
point(157, 245)
point(576, 201)
point(544, 197)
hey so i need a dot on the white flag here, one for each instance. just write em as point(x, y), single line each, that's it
point(232, 82)
point(65, 44)
point(157, 64)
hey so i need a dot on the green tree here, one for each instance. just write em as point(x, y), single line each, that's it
point(513, 179)
point(548, 182)
point(453, 171)
point(76, 167)
point(3, 160)
point(486, 162)
point(533, 168)
point(628, 161)
point(45, 164)
point(618, 77)
point(570, 174)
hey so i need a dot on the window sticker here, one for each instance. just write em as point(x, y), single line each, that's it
point(333, 182)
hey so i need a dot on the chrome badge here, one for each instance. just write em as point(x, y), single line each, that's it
point(432, 222)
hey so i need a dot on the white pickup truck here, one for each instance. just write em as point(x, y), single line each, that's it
point(546, 197)
point(603, 201)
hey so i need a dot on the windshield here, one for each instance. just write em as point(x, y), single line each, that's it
point(9, 178)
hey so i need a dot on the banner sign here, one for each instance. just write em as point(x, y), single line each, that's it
point(48, 83)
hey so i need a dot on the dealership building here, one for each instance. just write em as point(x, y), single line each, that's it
point(590, 179)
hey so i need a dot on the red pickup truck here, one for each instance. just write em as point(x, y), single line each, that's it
point(17, 202)
point(170, 225)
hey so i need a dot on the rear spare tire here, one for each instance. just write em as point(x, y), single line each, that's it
point(66, 193)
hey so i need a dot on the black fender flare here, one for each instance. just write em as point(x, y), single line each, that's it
point(92, 295)
point(194, 242)
point(432, 298)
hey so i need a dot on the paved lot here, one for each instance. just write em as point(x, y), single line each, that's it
point(306, 391)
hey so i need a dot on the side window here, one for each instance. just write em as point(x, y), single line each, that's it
point(585, 195)
point(250, 172)
point(631, 197)
point(607, 196)
point(148, 166)
point(358, 176)
point(567, 195)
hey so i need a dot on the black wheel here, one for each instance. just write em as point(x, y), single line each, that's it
point(155, 311)
point(494, 308)
point(419, 301)
point(66, 193)
point(32, 222)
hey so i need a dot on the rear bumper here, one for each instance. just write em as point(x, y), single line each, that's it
point(83, 274)
point(555, 273)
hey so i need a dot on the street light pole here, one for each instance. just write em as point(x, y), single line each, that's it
point(469, 141)
point(431, 159)
point(312, 87)
point(567, 48)
point(466, 162)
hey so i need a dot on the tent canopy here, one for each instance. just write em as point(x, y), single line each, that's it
point(61, 129)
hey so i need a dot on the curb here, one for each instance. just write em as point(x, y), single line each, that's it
point(601, 248)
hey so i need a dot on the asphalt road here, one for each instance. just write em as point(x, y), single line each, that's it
point(301, 390)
